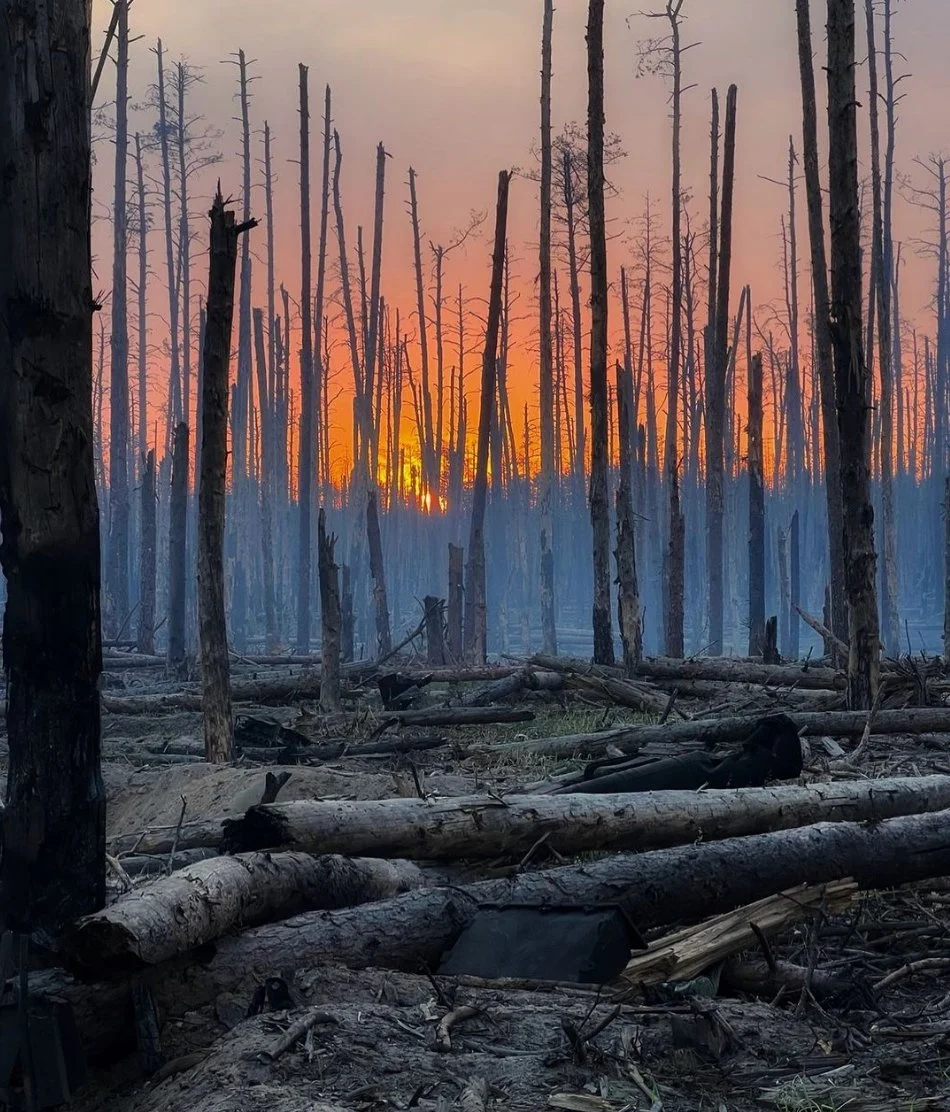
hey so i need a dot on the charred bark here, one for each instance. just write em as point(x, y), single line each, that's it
point(147, 553)
point(331, 618)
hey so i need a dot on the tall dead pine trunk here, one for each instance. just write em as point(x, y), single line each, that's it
point(147, 561)
point(756, 512)
point(476, 616)
point(212, 619)
point(331, 618)
point(628, 594)
point(599, 440)
point(384, 641)
point(266, 486)
point(851, 375)
point(53, 865)
point(177, 552)
point(305, 441)
point(545, 490)
point(454, 607)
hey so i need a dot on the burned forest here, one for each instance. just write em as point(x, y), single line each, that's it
point(474, 491)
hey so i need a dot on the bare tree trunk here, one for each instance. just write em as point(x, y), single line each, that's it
point(331, 619)
point(628, 594)
point(117, 578)
point(215, 668)
point(266, 488)
point(476, 623)
point(794, 561)
point(430, 480)
point(347, 639)
point(456, 594)
point(756, 513)
point(823, 344)
point(174, 393)
point(141, 291)
point(946, 569)
point(600, 447)
point(370, 439)
point(433, 620)
point(321, 393)
point(53, 823)
point(177, 552)
point(147, 547)
point(384, 641)
point(852, 387)
point(305, 442)
point(580, 452)
point(546, 485)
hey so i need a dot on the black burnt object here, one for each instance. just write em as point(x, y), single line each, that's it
point(583, 945)
point(398, 691)
point(772, 751)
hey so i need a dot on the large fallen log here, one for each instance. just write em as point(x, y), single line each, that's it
point(201, 902)
point(413, 930)
point(304, 685)
point(457, 716)
point(476, 826)
point(715, 731)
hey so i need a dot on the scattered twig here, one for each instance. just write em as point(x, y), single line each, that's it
point(443, 1030)
point(296, 1031)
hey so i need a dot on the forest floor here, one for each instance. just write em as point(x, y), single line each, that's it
point(883, 1045)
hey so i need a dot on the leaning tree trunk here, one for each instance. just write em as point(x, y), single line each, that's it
point(476, 617)
point(823, 344)
point(53, 865)
point(756, 513)
point(599, 439)
point(852, 388)
point(546, 368)
point(117, 579)
point(212, 618)
point(331, 618)
point(147, 554)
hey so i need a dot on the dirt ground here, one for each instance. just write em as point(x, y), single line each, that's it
point(878, 1045)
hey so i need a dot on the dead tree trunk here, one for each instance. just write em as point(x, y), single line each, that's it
point(628, 592)
point(320, 392)
point(455, 600)
point(141, 292)
point(851, 377)
point(305, 441)
point(330, 617)
point(429, 464)
point(476, 616)
point(795, 588)
point(117, 579)
point(53, 865)
point(147, 546)
point(435, 641)
point(545, 490)
point(177, 555)
point(599, 440)
point(384, 641)
point(212, 619)
point(823, 344)
point(266, 487)
point(756, 513)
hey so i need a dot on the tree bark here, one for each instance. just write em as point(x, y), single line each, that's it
point(435, 642)
point(53, 821)
point(330, 617)
point(266, 488)
point(177, 554)
point(546, 366)
point(454, 608)
point(852, 389)
point(145, 642)
point(628, 593)
point(204, 901)
point(822, 326)
point(141, 295)
point(216, 357)
point(384, 641)
point(599, 441)
point(476, 616)
point(756, 512)
point(305, 440)
point(476, 826)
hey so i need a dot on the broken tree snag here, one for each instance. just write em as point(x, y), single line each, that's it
point(216, 357)
point(177, 553)
point(628, 594)
point(756, 513)
point(201, 902)
point(476, 826)
point(946, 573)
point(476, 614)
point(435, 642)
point(384, 640)
point(330, 618)
point(770, 653)
point(852, 385)
point(454, 645)
point(145, 641)
point(53, 865)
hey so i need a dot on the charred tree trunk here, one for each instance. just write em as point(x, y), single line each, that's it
point(599, 441)
point(118, 569)
point(435, 640)
point(794, 561)
point(266, 487)
point(456, 595)
point(330, 617)
point(305, 441)
point(141, 292)
point(177, 556)
point(545, 490)
point(476, 617)
point(756, 513)
point(147, 546)
point(823, 344)
point(428, 463)
point(628, 593)
point(852, 387)
point(320, 382)
point(215, 668)
point(53, 865)
point(384, 641)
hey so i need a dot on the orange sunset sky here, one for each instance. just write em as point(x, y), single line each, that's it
point(452, 88)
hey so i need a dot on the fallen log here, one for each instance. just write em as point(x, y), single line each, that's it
point(476, 826)
point(457, 716)
point(201, 902)
point(716, 731)
point(413, 930)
